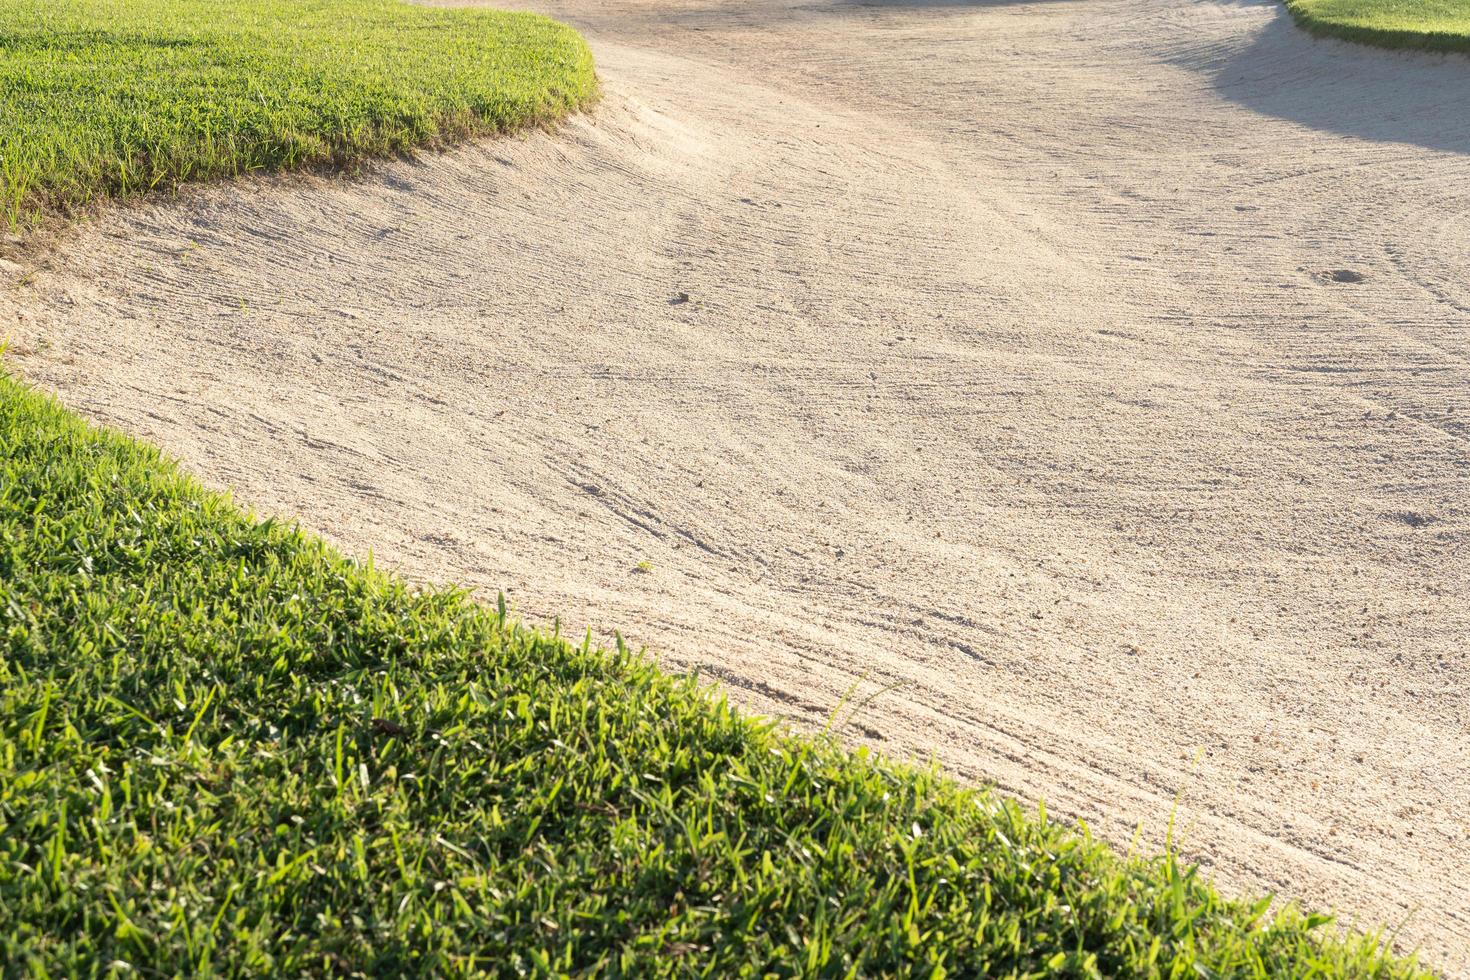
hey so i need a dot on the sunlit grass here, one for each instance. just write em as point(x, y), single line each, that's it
point(111, 97)
point(226, 748)
point(1442, 25)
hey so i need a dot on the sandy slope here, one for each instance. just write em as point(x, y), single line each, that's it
point(1007, 381)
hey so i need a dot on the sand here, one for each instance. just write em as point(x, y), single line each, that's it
point(990, 358)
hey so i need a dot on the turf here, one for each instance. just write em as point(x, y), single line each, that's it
point(226, 748)
point(1436, 25)
point(112, 97)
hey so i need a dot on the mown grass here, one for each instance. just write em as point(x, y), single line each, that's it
point(1434, 25)
point(112, 97)
point(226, 748)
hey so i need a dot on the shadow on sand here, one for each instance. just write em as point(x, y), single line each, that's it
point(1339, 87)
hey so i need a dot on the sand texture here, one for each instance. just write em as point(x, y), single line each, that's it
point(992, 356)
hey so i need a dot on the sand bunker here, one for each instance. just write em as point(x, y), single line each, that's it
point(1094, 377)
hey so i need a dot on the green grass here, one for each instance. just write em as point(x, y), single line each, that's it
point(225, 747)
point(112, 97)
point(1435, 25)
